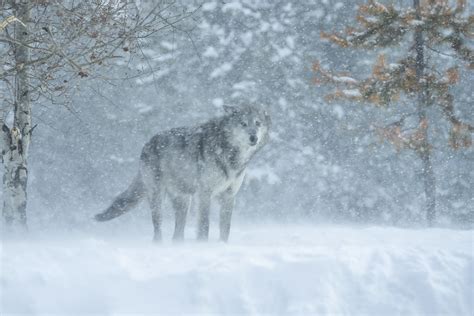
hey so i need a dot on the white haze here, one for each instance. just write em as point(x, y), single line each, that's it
point(329, 220)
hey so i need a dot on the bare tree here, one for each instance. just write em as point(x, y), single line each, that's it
point(436, 26)
point(48, 47)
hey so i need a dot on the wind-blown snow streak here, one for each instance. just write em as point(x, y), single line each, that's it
point(271, 269)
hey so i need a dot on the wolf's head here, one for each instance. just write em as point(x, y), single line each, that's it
point(248, 125)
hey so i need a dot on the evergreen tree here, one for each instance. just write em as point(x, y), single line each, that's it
point(436, 27)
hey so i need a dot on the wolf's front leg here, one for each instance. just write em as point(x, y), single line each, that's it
point(203, 216)
point(227, 201)
point(181, 205)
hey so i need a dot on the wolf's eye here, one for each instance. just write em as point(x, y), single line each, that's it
point(243, 124)
point(257, 123)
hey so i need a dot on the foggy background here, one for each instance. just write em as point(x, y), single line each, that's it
point(323, 163)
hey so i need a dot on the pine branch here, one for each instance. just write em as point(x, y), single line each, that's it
point(382, 26)
point(383, 87)
point(379, 26)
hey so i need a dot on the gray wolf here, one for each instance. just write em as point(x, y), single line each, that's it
point(207, 161)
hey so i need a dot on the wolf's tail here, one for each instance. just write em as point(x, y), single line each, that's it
point(125, 201)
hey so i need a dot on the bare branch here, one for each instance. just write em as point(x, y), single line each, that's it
point(9, 20)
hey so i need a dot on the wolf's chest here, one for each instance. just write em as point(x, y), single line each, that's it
point(219, 175)
point(231, 180)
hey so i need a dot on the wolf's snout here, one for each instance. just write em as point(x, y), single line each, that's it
point(253, 139)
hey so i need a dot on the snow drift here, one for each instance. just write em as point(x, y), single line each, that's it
point(292, 269)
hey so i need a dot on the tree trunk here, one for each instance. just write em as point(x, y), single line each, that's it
point(429, 179)
point(16, 141)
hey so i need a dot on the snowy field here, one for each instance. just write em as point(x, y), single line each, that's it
point(268, 269)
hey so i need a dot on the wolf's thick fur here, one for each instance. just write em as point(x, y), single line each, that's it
point(207, 160)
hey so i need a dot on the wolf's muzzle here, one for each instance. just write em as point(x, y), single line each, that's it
point(253, 140)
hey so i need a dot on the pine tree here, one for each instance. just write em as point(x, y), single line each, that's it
point(434, 25)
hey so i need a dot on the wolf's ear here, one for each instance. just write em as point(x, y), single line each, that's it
point(230, 110)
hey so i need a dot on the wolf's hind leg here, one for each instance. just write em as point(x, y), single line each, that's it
point(226, 201)
point(181, 205)
point(154, 199)
point(203, 216)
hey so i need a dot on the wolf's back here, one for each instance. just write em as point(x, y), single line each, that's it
point(125, 201)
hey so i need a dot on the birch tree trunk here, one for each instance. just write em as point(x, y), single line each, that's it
point(429, 180)
point(17, 139)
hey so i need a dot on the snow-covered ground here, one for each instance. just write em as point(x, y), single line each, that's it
point(268, 269)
